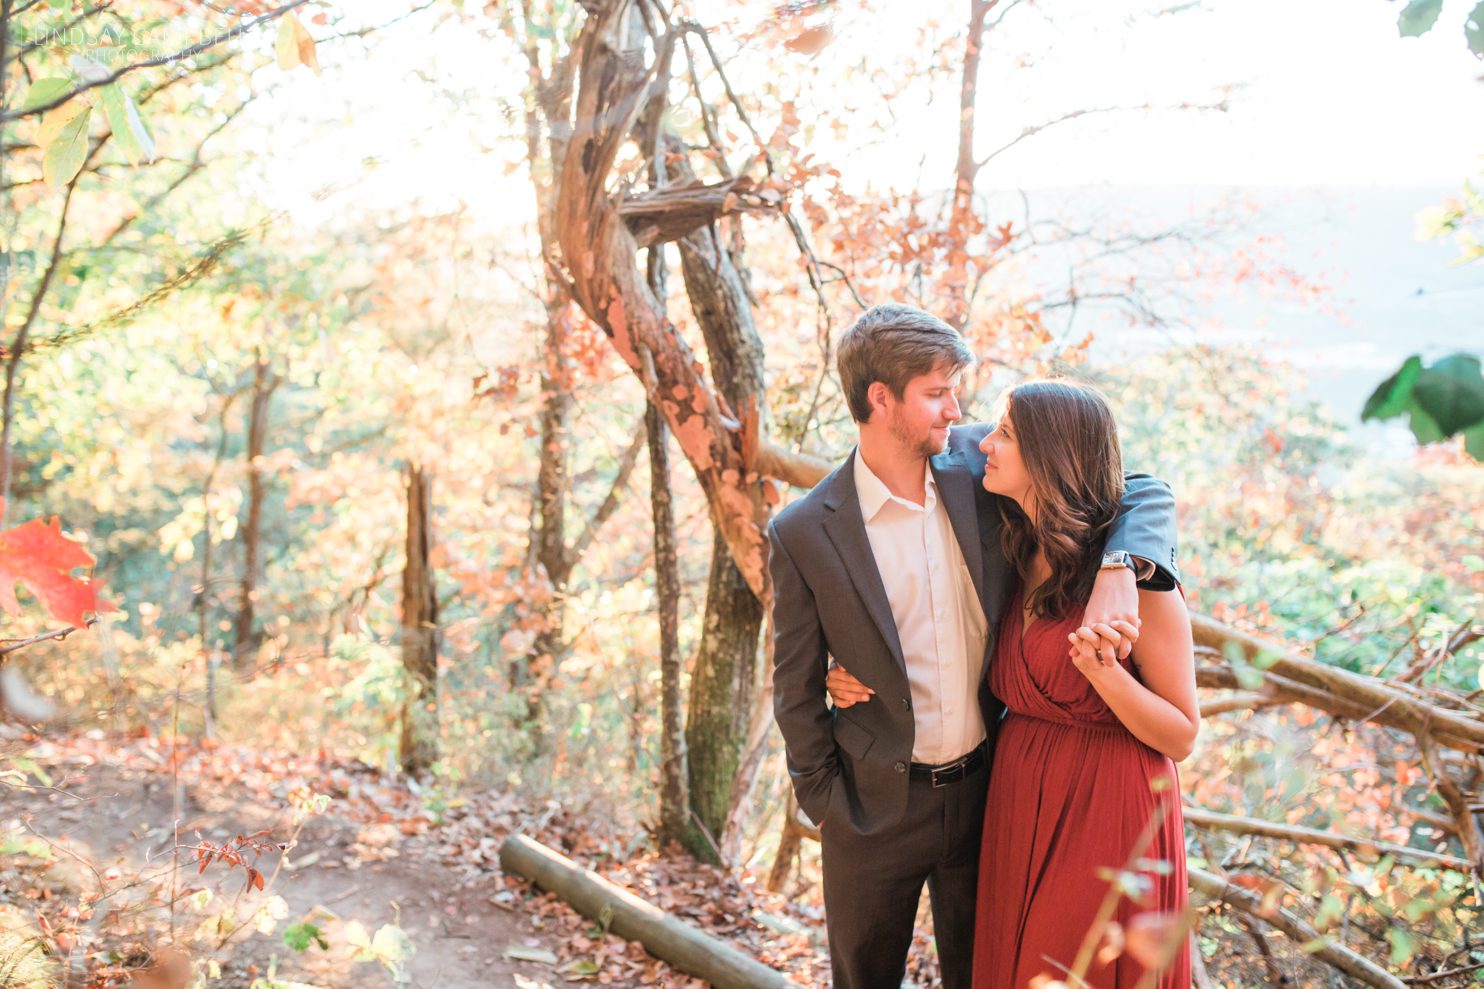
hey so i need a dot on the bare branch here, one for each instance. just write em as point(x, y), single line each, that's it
point(610, 503)
point(1233, 824)
point(798, 469)
point(59, 634)
point(1088, 112)
point(187, 52)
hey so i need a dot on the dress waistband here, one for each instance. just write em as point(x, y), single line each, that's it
point(1101, 727)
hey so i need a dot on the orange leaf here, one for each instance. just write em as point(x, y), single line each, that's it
point(37, 555)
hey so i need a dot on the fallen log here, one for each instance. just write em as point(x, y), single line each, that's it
point(628, 916)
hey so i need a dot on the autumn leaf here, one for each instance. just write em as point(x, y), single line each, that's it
point(1153, 938)
point(37, 555)
point(810, 41)
point(295, 45)
point(66, 153)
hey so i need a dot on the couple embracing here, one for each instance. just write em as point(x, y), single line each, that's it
point(993, 611)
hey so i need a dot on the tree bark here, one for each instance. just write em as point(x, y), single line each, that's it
point(724, 684)
point(600, 257)
point(674, 789)
point(247, 636)
point(721, 696)
point(418, 747)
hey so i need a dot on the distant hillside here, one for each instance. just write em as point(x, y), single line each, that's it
point(1395, 295)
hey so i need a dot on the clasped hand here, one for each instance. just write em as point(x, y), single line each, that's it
point(1110, 625)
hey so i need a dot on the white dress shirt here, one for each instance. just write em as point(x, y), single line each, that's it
point(939, 619)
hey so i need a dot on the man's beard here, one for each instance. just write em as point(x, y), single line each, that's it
point(921, 445)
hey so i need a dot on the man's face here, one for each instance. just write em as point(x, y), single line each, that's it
point(929, 405)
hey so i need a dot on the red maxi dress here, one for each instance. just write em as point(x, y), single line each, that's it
point(1071, 794)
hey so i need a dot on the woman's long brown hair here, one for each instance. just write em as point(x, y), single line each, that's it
point(1069, 444)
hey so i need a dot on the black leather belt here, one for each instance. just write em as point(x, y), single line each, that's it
point(949, 772)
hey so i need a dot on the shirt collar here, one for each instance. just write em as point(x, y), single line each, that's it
point(873, 493)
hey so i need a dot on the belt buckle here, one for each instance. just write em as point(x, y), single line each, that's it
point(948, 773)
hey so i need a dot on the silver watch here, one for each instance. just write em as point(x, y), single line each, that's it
point(1117, 558)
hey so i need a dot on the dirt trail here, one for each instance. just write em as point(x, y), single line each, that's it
point(460, 919)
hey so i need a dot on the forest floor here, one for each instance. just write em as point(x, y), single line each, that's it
point(99, 813)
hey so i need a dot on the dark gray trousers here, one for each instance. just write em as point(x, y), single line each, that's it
point(872, 886)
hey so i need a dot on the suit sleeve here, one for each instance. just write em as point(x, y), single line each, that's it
point(800, 663)
point(1145, 527)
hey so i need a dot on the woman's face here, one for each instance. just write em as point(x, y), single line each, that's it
point(1004, 471)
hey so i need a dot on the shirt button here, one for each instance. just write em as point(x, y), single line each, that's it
point(900, 767)
point(906, 704)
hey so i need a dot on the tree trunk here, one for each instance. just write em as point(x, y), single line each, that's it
point(724, 683)
point(202, 599)
point(547, 108)
point(962, 221)
point(247, 636)
point(600, 257)
point(721, 695)
point(419, 741)
point(532, 672)
point(674, 796)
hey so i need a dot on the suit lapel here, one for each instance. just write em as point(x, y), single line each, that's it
point(846, 528)
point(956, 485)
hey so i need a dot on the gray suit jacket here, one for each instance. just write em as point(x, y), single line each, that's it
point(849, 768)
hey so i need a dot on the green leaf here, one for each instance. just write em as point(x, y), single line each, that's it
point(301, 935)
point(1395, 393)
point(1403, 945)
point(1473, 442)
point(128, 127)
point(392, 946)
point(583, 966)
point(1473, 30)
point(1425, 427)
point(1452, 393)
point(1418, 17)
point(43, 91)
point(65, 155)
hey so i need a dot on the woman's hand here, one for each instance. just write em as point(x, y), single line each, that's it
point(845, 690)
point(1115, 598)
point(1093, 646)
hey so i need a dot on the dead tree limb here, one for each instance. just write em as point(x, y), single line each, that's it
point(1233, 824)
point(1336, 955)
point(1349, 695)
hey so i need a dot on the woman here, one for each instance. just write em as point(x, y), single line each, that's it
point(1083, 791)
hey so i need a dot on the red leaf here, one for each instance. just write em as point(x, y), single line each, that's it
point(37, 555)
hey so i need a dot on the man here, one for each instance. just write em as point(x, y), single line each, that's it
point(892, 566)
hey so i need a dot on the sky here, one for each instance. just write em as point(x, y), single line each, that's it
point(1322, 92)
point(1351, 127)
